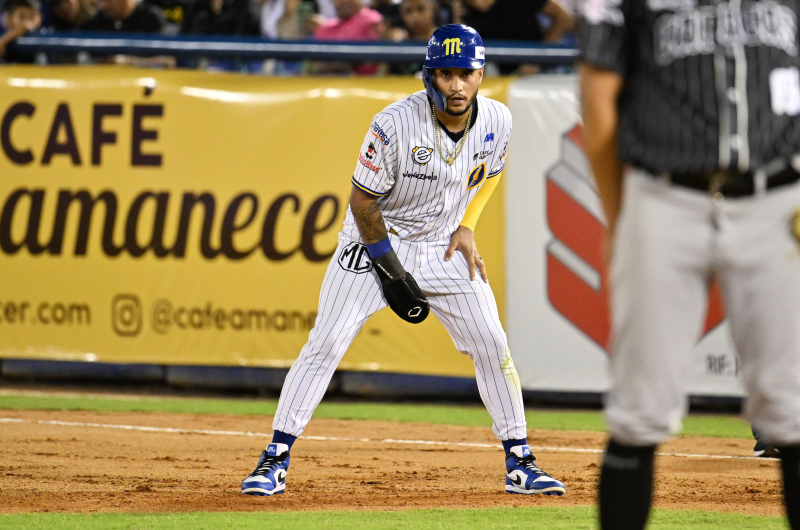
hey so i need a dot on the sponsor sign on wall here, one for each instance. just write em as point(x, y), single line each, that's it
point(189, 218)
point(558, 317)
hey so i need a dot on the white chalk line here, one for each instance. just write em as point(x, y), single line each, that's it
point(173, 430)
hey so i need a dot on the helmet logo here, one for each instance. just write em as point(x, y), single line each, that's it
point(452, 46)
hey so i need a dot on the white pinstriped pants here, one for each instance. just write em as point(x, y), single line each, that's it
point(466, 308)
point(669, 242)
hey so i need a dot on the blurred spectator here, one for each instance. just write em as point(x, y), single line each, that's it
point(129, 16)
point(69, 14)
point(451, 11)
point(173, 11)
point(389, 10)
point(518, 20)
point(354, 22)
point(126, 16)
point(571, 6)
point(19, 17)
point(294, 19)
point(221, 17)
point(419, 19)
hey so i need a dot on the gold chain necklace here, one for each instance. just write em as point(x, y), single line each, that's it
point(451, 157)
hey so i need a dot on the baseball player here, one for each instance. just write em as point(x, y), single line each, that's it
point(690, 110)
point(428, 165)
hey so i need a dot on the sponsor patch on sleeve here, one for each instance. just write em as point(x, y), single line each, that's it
point(367, 164)
point(379, 133)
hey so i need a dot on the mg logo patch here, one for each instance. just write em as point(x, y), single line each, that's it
point(355, 258)
point(452, 46)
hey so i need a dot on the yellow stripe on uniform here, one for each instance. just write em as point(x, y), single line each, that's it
point(367, 190)
point(495, 173)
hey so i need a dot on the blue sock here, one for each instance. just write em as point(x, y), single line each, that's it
point(508, 444)
point(280, 437)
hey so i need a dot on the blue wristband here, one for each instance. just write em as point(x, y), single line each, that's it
point(381, 248)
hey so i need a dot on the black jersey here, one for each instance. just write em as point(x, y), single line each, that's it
point(708, 84)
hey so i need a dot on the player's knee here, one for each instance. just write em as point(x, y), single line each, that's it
point(636, 433)
point(494, 346)
point(776, 415)
point(495, 339)
point(641, 422)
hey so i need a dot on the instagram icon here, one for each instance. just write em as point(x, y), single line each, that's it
point(126, 315)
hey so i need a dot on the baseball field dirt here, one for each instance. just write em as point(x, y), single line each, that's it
point(61, 461)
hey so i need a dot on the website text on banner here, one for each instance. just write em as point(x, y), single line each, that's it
point(558, 320)
point(188, 218)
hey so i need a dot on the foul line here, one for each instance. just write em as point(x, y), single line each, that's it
point(172, 430)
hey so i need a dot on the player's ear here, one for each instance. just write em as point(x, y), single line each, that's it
point(480, 75)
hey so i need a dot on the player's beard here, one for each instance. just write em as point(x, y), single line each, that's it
point(466, 109)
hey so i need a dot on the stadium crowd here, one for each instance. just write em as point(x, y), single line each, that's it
point(549, 21)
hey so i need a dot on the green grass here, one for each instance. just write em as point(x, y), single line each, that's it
point(472, 415)
point(566, 518)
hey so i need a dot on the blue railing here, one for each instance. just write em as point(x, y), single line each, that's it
point(190, 46)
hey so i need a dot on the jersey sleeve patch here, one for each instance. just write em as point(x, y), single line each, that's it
point(476, 176)
point(500, 161)
point(375, 170)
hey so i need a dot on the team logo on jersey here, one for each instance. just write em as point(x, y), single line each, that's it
point(378, 133)
point(481, 155)
point(355, 258)
point(476, 176)
point(370, 151)
point(489, 138)
point(422, 155)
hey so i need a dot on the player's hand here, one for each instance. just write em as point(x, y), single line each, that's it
point(463, 240)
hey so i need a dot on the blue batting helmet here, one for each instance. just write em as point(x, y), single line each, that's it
point(451, 46)
point(455, 46)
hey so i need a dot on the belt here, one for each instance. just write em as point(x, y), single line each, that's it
point(731, 183)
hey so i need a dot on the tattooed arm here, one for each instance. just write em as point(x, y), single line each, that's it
point(368, 216)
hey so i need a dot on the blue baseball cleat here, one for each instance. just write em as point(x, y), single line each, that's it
point(269, 477)
point(524, 476)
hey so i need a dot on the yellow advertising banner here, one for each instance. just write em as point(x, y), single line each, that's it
point(182, 217)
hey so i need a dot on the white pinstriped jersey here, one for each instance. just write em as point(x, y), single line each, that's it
point(421, 197)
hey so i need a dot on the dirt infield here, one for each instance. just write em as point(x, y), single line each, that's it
point(46, 467)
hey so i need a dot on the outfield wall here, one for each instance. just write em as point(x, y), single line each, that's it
point(186, 219)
